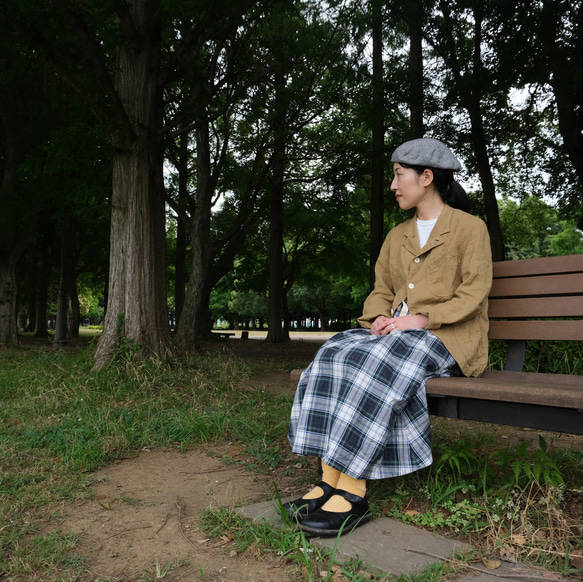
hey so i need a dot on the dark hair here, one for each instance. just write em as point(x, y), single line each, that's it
point(451, 192)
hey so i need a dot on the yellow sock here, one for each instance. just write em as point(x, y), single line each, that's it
point(338, 504)
point(329, 476)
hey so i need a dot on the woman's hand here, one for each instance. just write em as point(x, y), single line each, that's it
point(384, 325)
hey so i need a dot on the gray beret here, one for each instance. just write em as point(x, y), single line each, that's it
point(427, 152)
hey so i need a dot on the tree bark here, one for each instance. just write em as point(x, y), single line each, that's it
point(377, 195)
point(65, 284)
point(8, 294)
point(181, 234)
point(414, 17)
point(277, 331)
point(136, 307)
point(195, 321)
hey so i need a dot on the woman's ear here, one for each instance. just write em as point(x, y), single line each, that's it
point(427, 177)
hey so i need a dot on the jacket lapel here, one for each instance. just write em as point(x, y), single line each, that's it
point(440, 231)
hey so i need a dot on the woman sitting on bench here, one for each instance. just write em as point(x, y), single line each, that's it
point(361, 405)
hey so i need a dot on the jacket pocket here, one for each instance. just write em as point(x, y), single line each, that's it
point(443, 273)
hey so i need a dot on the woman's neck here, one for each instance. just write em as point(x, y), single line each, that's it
point(430, 208)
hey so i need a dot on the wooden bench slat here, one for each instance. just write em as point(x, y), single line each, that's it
point(549, 265)
point(532, 286)
point(558, 390)
point(537, 330)
point(536, 307)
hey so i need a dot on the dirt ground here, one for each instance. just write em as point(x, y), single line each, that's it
point(146, 510)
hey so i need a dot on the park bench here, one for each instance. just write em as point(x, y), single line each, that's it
point(223, 334)
point(530, 300)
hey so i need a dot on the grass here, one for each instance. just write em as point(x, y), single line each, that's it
point(59, 421)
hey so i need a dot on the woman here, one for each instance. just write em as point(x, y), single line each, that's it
point(361, 404)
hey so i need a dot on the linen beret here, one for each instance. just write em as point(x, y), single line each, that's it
point(427, 152)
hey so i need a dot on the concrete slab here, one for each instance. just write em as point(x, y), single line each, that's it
point(388, 546)
point(382, 544)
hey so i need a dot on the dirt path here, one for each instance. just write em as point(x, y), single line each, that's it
point(147, 510)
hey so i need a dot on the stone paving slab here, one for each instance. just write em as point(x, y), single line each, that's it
point(387, 547)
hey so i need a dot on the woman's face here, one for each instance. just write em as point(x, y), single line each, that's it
point(409, 187)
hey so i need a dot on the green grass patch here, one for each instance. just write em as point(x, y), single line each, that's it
point(60, 420)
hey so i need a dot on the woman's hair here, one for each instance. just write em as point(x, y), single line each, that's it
point(451, 192)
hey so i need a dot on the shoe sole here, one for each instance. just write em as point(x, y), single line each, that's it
point(334, 532)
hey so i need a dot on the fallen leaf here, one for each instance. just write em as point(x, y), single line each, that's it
point(518, 539)
point(539, 534)
point(233, 554)
point(491, 564)
point(508, 554)
point(203, 541)
point(411, 512)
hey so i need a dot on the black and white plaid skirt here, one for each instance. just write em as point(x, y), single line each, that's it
point(361, 404)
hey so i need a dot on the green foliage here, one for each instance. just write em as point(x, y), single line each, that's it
point(554, 357)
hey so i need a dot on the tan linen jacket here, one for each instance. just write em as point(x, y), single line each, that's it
point(448, 280)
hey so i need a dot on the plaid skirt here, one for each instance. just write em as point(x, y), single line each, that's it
point(361, 404)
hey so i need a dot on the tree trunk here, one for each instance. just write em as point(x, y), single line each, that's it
point(136, 307)
point(277, 331)
point(414, 16)
point(75, 319)
point(470, 94)
point(181, 235)
point(486, 178)
point(65, 281)
point(195, 321)
point(565, 75)
point(8, 294)
point(377, 194)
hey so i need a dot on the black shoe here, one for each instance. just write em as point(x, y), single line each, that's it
point(329, 523)
point(298, 509)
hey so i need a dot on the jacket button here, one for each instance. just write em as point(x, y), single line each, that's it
point(411, 286)
point(416, 259)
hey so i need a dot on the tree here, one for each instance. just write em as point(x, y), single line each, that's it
point(458, 36)
point(150, 55)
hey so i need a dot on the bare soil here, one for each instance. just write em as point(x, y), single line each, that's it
point(146, 510)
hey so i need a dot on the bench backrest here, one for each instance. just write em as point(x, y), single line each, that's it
point(533, 295)
point(530, 300)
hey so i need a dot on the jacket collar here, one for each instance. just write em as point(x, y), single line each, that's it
point(438, 234)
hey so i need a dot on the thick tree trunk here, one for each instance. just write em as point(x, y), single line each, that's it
point(136, 307)
point(12, 242)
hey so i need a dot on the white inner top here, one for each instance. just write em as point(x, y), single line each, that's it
point(424, 228)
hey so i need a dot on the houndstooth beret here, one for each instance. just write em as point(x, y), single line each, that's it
point(427, 152)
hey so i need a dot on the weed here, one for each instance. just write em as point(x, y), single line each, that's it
point(159, 572)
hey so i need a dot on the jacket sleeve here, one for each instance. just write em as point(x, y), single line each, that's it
point(380, 300)
point(471, 294)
